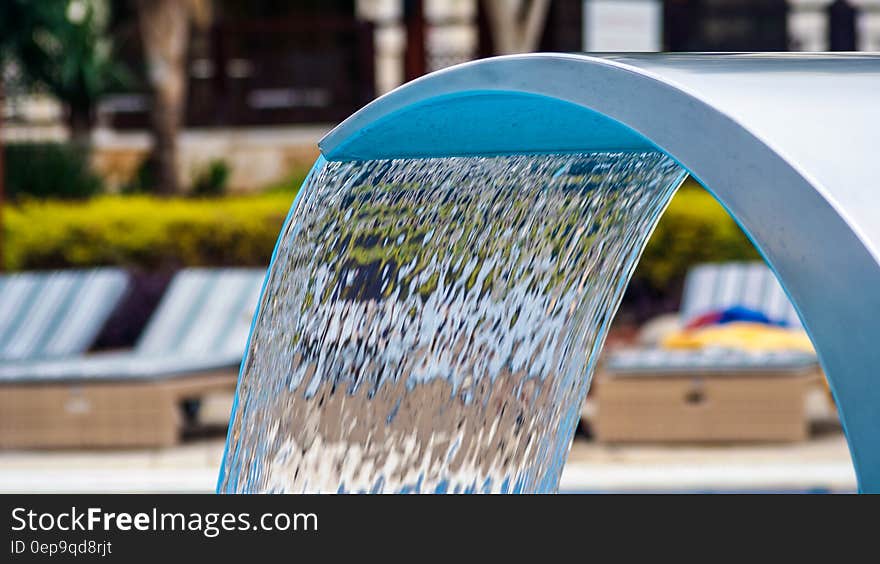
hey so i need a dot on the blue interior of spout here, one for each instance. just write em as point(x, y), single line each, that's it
point(486, 123)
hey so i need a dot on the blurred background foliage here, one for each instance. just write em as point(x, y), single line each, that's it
point(62, 47)
point(145, 232)
point(694, 229)
point(49, 170)
point(212, 179)
point(60, 218)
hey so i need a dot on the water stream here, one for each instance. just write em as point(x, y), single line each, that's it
point(431, 325)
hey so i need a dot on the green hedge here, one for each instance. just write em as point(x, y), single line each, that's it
point(139, 231)
point(33, 170)
point(694, 229)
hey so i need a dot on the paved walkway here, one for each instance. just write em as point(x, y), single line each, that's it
point(822, 464)
point(819, 465)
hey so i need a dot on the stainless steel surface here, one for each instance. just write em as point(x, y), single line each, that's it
point(787, 142)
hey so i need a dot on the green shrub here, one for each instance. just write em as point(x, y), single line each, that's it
point(150, 233)
point(289, 184)
point(211, 180)
point(44, 170)
point(143, 180)
point(695, 228)
point(141, 231)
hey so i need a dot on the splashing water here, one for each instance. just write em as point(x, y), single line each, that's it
point(431, 325)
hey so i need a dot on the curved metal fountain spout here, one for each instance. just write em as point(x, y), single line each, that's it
point(787, 142)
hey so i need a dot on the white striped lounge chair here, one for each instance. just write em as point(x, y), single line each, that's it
point(714, 287)
point(710, 395)
point(193, 344)
point(46, 315)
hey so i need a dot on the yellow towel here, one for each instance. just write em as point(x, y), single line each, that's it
point(740, 335)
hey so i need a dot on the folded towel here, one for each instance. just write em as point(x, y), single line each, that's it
point(740, 335)
point(733, 314)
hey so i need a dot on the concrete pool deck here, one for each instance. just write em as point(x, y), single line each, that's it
point(821, 464)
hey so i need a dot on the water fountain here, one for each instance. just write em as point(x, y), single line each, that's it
point(433, 310)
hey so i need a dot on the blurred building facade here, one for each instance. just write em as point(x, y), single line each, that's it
point(267, 62)
point(311, 63)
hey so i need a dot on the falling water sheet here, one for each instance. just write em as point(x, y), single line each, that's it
point(431, 325)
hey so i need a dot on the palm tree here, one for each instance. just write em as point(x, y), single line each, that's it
point(63, 47)
point(164, 28)
point(516, 25)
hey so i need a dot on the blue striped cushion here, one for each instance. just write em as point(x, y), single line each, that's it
point(115, 366)
point(713, 287)
point(201, 324)
point(204, 312)
point(664, 361)
point(56, 314)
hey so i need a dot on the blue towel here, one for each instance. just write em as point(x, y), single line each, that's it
point(742, 313)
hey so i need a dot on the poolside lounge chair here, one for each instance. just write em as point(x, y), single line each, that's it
point(192, 345)
point(713, 287)
point(654, 394)
point(56, 314)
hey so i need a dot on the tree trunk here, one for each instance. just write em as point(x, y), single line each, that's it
point(516, 25)
point(415, 58)
point(164, 28)
point(81, 120)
